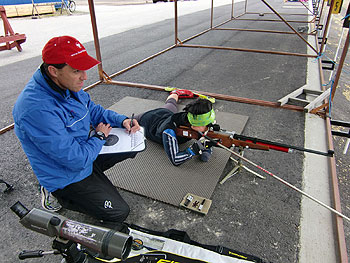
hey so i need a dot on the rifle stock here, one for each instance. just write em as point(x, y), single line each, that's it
point(225, 138)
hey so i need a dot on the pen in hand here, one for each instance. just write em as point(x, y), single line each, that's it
point(131, 122)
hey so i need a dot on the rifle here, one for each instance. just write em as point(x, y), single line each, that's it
point(189, 133)
point(230, 139)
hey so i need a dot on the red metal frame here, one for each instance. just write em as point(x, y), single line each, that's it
point(104, 78)
point(281, 19)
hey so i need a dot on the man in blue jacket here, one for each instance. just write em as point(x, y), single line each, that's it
point(53, 117)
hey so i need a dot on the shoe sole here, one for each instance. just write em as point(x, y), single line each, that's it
point(43, 201)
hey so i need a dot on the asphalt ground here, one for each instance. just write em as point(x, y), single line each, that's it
point(261, 217)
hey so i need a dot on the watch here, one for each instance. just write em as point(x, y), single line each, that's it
point(100, 135)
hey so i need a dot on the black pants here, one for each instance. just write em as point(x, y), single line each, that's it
point(96, 195)
point(170, 104)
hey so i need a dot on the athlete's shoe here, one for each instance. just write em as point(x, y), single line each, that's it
point(184, 94)
point(48, 201)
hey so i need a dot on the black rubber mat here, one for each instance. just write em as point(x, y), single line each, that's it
point(151, 173)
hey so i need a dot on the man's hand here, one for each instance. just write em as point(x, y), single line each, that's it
point(105, 128)
point(135, 125)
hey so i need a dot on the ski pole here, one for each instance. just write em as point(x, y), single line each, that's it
point(278, 178)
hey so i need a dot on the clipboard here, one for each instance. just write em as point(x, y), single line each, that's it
point(119, 141)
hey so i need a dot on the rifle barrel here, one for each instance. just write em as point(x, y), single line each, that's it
point(284, 147)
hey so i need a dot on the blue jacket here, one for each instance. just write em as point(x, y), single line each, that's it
point(53, 128)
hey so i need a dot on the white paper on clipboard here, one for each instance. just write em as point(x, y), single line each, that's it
point(119, 140)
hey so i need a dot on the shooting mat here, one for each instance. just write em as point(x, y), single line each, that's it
point(151, 173)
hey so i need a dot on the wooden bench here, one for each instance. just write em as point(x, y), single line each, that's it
point(10, 39)
point(30, 9)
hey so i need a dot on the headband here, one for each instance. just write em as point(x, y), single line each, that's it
point(201, 119)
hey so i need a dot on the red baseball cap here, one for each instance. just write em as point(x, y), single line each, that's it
point(66, 49)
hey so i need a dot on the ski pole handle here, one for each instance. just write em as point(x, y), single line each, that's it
point(30, 254)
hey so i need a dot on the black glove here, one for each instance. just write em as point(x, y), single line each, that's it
point(208, 144)
point(205, 156)
point(214, 126)
point(197, 147)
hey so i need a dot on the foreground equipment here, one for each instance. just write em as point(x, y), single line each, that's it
point(140, 246)
point(68, 233)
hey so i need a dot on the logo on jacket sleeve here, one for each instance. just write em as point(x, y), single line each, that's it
point(108, 204)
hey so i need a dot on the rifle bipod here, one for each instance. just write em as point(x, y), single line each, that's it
point(239, 165)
